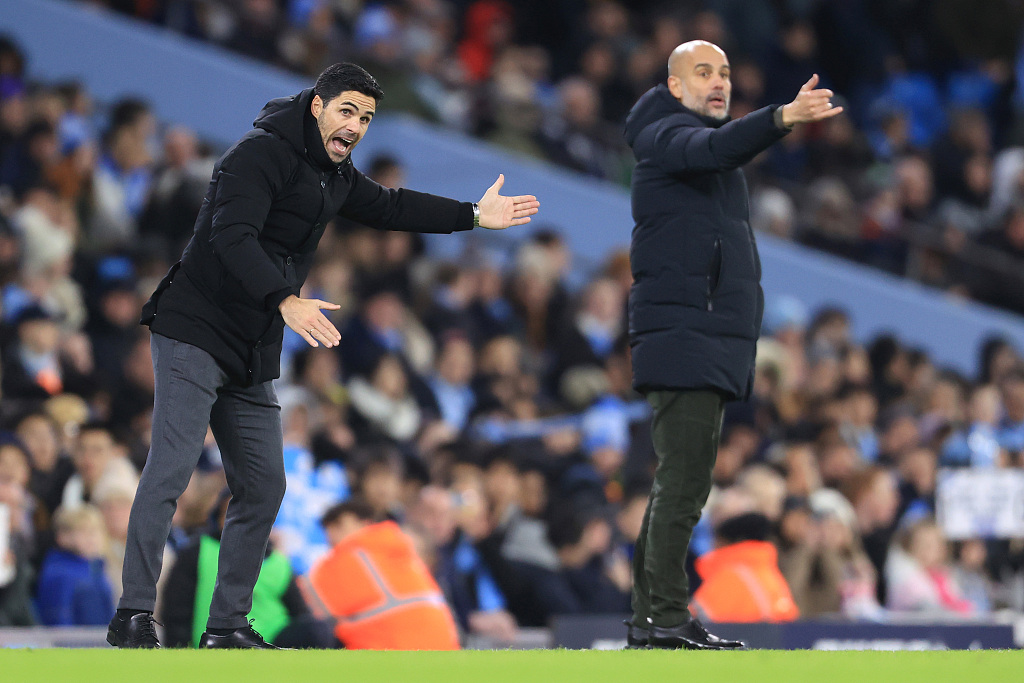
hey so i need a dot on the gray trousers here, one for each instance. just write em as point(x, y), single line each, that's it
point(192, 392)
point(686, 429)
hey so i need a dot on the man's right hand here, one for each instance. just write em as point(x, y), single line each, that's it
point(305, 318)
point(809, 105)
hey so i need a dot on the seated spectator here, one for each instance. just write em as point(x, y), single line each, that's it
point(741, 581)
point(123, 176)
point(73, 588)
point(858, 585)
point(450, 384)
point(382, 406)
point(599, 578)
point(114, 497)
point(590, 337)
point(16, 573)
point(179, 184)
point(1011, 427)
point(379, 473)
point(977, 445)
point(970, 573)
point(34, 369)
point(875, 499)
point(96, 457)
point(312, 488)
point(471, 591)
point(919, 574)
point(376, 588)
point(279, 611)
point(51, 469)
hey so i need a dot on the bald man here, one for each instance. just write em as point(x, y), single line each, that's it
point(695, 306)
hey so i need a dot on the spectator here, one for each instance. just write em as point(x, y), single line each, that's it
point(977, 445)
point(51, 468)
point(114, 499)
point(123, 176)
point(34, 367)
point(919, 575)
point(451, 382)
point(97, 457)
point(741, 580)
point(382, 405)
point(468, 585)
point(872, 492)
point(178, 187)
point(16, 574)
point(598, 577)
point(377, 590)
point(73, 587)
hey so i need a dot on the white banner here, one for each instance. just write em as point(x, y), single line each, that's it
point(981, 503)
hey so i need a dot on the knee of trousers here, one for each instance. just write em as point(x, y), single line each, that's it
point(265, 498)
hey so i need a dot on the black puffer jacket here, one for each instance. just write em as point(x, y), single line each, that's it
point(269, 200)
point(696, 302)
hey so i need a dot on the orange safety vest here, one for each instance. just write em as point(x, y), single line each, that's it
point(742, 583)
point(381, 593)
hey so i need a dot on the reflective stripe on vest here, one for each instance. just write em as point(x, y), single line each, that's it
point(390, 602)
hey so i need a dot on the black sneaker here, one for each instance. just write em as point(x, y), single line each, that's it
point(636, 636)
point(137, 631)
point(245, 638)
point(692, 636)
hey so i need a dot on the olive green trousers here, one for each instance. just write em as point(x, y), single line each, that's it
point(686, 429)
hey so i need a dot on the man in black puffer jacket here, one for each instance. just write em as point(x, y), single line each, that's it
point(218, 317)
point(695, 306)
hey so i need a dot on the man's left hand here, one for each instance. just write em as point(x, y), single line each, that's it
point(810, 104)
point(498, 212)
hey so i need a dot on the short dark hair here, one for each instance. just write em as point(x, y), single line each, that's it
point(382, 163)
point(127, 112)
point(96, 426)
point(343, 76)
point(353, 506)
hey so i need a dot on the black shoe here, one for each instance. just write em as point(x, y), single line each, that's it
point(691, 635)
point(636, 636)
point(138, 631)
point(245, 638)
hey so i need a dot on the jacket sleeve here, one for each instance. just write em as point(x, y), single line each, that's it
point(678, 145)
point(249, 177)
point(385, 209)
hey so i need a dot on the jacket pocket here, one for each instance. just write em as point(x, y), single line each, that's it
point(149, 309)
point(714, 275)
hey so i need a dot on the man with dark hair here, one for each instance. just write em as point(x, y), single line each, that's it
point(218, 316)
point(695, 306)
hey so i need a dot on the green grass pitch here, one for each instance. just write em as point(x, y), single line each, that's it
point(533, 666)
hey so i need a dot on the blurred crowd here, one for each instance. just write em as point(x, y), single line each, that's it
point(922, 178)
point(480, 407)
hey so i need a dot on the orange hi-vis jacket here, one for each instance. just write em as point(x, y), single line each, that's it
point(742, 583)
point(381, 594)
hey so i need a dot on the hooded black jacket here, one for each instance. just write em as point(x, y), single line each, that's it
point(268, 202)
point(696, 303)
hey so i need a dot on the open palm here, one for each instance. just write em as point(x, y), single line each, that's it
point(498, 212)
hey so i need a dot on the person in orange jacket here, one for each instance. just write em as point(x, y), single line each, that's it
point(741, 577)
point(376, 588)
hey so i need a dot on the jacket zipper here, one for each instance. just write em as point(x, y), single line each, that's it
point(716, 264)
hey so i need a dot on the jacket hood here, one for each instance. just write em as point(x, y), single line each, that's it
point(290, 119)
point(656, 104)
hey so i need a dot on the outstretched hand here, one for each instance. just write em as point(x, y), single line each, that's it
point(809, 105)
point(304, 317)
point(498, 212)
